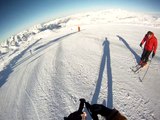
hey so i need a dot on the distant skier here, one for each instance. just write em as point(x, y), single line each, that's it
point(150, 46)
point(79, 28)
point(30, 52)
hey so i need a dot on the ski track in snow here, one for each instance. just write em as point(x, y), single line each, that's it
point(48, 84)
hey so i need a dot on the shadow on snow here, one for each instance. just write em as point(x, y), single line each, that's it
point(137, 57)
point(45, 46)
point(52, 41)
point(105, 60)
point(4, 74)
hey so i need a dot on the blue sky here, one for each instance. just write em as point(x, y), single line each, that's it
point(17, 15)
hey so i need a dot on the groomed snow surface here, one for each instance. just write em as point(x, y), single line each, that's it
point(44, 76)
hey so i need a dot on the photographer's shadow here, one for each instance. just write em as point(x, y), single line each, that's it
point(106, 60)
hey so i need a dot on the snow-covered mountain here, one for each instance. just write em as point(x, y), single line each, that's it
point(45, 70)
point(117, 16)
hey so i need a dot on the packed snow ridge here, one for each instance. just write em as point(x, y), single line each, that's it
point(96, 17)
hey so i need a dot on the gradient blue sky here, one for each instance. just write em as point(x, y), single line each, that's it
point(17, 15)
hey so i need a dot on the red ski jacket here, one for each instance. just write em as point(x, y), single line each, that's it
point(150, 44)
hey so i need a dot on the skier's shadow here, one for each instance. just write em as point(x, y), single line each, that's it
point(105, 60)
point(137, 57)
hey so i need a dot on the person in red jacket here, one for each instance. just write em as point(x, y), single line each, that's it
point(150, 46)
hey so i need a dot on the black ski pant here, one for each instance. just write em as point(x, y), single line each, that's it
point(145, 55)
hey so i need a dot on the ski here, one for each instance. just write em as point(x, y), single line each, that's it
point(136, 69)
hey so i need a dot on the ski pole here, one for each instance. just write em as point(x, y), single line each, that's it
point(146, 70)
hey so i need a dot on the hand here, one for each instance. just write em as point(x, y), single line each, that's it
point(82, 100)
point(153, 54)
point(140, 45)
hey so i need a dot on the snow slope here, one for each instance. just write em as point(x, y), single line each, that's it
point(44, 77)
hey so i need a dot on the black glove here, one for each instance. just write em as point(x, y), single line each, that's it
point(77, 114)
point(81, 105)
point(82, 100)
point(153, 54)
point(140, 45)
